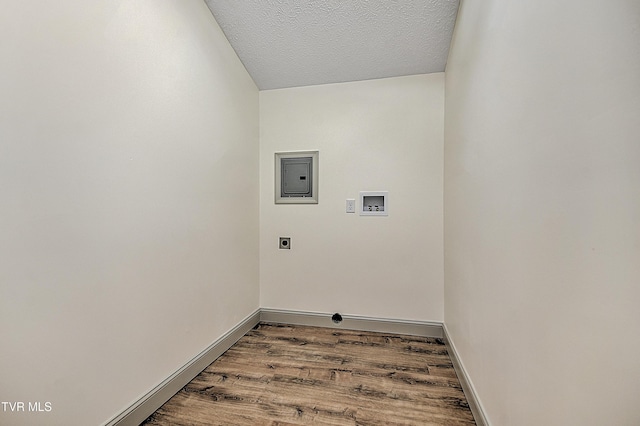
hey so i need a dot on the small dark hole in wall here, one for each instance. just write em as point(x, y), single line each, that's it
point(337, 318)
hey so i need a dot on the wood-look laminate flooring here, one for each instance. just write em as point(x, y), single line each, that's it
point(296, 375)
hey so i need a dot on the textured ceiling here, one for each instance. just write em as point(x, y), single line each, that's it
point(288, 43)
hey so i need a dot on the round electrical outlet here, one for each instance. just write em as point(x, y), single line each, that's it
point(285, 243)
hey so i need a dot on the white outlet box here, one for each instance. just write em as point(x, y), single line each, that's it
point(351, 205)
point(374, 203)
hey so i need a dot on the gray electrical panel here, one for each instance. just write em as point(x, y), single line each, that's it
point(297, 177)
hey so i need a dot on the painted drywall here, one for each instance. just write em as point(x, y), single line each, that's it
point(542, 208)
point(377, 135)
point(128, 200)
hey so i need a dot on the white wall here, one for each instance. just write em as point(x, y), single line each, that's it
point(128, 200)
point(372, 135)
point(542, 208)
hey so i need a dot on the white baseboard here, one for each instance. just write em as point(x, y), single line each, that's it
point(467, 385)
point(146, 405)
point(353, 322)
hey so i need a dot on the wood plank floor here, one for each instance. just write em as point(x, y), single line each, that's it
point(296, 375)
